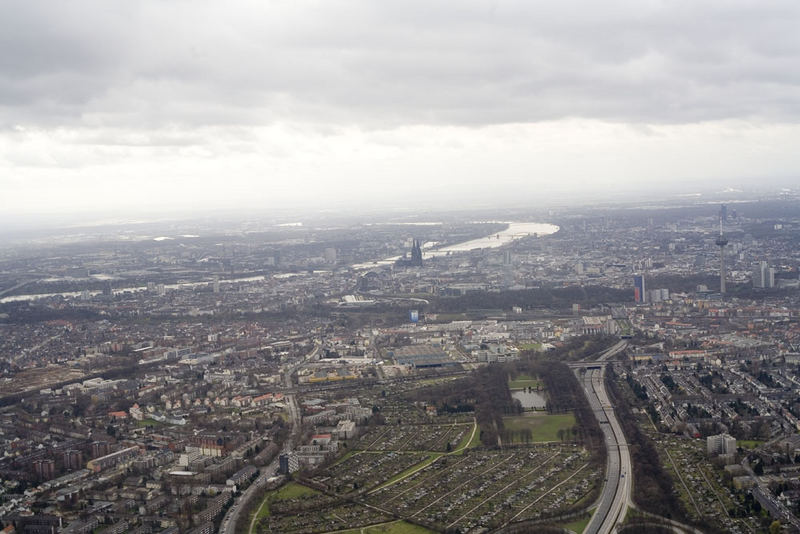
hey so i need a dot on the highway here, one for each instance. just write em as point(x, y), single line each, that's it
point(615, 497)
point(612, 351)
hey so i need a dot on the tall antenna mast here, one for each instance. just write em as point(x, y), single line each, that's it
point(721, 242)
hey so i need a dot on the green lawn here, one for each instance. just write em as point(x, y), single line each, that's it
point(395, 527)
point(544, 427)
point(748, 443)
point(578, 526)
point(466, 442)
point(531, 346)
point(291, 490)
point(525, 381)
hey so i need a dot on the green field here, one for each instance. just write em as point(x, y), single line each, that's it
point(525, 381)
point(544, 427)
point(748, 443)
point(578, 526)
point(395, 527)
point(291, 490)
point(537, 347)
point(474, 442)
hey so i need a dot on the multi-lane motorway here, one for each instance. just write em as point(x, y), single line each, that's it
point(615, 497)
point(613, 350)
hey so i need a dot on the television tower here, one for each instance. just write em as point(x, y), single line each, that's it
point(721, 242)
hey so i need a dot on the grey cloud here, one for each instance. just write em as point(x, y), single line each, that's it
point(376, 64)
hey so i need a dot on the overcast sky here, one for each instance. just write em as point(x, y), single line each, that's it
point(173, 104)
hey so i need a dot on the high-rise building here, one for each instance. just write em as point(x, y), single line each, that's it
point(45, 469)
point(99, 448)
point(759, 279)
point(330, 256)
point(288, 463)
point(721, 444)
point(73, 459)
point(763, 275)
point(639, 293)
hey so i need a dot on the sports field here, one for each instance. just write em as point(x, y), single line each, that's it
point(543, 427)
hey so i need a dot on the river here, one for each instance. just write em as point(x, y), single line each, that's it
point(515, 230)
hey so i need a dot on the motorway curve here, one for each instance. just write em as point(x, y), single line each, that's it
point(615, 497)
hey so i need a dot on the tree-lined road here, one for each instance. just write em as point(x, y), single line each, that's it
point(233, 516)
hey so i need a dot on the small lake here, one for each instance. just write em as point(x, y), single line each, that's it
point(530, 400)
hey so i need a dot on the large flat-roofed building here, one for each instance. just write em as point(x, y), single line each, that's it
point(422, 356)
point(242, 475)
point(113, 459)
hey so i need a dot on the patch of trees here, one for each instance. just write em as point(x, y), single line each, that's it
point(697, 412)
point(493, 401)
point(655, 491)
point(577, 348)
point(749, 507)
point(743, 409)
point(458, 408)
point(714, 382)
point(27, 313)
point(265, 456)
point(530, 527)
point(485, 391)
point(766, 379)
point(545, 297)
point(639, 390)
point(645, 526)
point(670, 383)
point(683, 283)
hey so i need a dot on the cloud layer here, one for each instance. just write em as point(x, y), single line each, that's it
point(99, 90)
